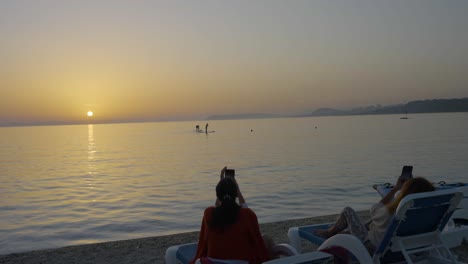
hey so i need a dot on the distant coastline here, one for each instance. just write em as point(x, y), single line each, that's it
point(243, 116)
point(413, 107)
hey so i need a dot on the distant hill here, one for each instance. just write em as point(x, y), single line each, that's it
point(421, 106)
point(328, 111)
point(438, 105)
point(243, 116)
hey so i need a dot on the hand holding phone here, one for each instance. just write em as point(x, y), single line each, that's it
point(229, 173)
point(406, 172)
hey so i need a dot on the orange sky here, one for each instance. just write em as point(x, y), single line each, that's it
point(175, 60)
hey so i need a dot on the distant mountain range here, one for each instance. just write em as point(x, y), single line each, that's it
point(243, 116)
point(421, 106)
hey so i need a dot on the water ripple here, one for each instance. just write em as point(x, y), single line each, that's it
point(66, 185)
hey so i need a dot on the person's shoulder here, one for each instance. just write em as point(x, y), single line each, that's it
point(209, 209)
point(247, 211)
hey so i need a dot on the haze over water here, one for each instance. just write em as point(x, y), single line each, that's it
point(65, 185)
point(186, 60)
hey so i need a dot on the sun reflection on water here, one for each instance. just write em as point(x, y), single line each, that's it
point(91, 155)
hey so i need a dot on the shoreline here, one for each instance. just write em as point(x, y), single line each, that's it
point(152, 249)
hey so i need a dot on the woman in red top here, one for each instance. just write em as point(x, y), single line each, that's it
point(230, 231)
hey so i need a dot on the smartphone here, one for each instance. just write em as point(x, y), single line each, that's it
point(407, 172)
point(229, 173)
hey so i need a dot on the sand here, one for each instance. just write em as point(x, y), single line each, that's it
point(152, 249)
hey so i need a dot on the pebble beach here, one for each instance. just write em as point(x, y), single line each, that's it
point(152, 249)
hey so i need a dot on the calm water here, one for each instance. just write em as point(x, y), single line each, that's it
point(66, 185)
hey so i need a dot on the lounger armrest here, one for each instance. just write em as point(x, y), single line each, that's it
point(171, 256)
point(222, 261)
point(351, 244)
point(284, 249)
point(310, 257)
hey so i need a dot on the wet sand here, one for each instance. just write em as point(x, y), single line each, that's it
point(152, 249)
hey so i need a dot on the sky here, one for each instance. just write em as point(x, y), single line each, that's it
point(141, 60)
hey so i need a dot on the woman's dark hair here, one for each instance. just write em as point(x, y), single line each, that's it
point(227, 213)
point(413, 185)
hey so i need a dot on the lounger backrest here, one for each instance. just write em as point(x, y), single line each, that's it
point(419, 214)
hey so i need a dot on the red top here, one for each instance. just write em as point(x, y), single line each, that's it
point(239, 241)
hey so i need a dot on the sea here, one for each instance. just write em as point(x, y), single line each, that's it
point(80, 184)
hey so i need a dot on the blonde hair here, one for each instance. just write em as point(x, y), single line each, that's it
point(413, 185)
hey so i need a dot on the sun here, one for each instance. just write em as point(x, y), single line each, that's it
point(90, 113)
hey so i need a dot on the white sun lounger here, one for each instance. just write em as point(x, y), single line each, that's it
point(413, 235)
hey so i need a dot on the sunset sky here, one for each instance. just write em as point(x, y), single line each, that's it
point(185, 60)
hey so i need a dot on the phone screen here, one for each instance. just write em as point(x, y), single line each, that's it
point(407, 172)
point(229, 173)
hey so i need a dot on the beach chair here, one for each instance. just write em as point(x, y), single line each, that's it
point(186, 252)
point(456, 230)
point(413, 235)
